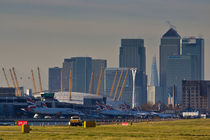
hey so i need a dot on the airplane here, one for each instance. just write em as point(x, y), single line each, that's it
point(44, 110)
point(161, 115)
point(109, 111)
point(139, 114)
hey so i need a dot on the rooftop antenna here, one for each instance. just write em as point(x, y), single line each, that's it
point(171, 25)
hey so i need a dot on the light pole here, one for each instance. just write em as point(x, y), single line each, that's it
point(133, 95)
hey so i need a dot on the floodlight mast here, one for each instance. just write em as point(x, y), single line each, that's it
point(133, 95)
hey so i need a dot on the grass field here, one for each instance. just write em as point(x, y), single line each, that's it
point(181, 129)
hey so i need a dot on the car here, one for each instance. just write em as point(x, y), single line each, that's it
point(75, 121)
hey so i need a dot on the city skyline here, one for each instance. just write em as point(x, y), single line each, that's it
point(43, 33)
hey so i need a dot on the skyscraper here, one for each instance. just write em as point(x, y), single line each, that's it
point(81, 73)
point(195, 46)
point(96, 69)
point(170, 45)
point(132, 55)
point(82, 67)
point(153, 88)
point(67, 64)
point(54, 79)
point(154, 73)
point(126, 96)
point(179, 68)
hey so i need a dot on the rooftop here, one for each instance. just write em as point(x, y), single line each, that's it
point(171, 33)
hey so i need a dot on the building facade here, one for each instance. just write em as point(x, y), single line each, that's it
point(195, 47)
point(196, 95)
point(96, 69)
point(67, 65)
point(179, 68)
point(132, 55)
point(169, 46)
point(153, 94)
point(7, 92)
point(82, 67)
point(153, 89)
point(54, 79)
point(154, 74)
point(126, 96)
point(81, 73)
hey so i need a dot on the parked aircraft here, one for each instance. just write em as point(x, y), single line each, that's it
point(108, 110)
point(161, 115)
point(45, 111)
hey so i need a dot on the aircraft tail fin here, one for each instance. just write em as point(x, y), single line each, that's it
point(29, 108)
point(30, 101)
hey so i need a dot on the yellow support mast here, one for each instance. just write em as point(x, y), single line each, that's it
point(91, 82)
point(115, 77)
point(123, 86)
point(33, 81)
point(70, 83)
point(99, 81)
point(13, 82)
point(18, 89)
point(115, 94)
point(5, 76)
point(40, 82)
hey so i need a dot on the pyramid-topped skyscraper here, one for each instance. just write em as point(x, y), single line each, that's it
point(169, 46)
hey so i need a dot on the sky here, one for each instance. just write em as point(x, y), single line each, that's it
point(44, 32)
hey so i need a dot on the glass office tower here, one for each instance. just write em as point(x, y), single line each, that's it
point(54, 79)
point(132, 55)
point(170, 45)
point(195, 47)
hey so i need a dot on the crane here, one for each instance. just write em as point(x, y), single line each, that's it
point(5, 76)
point(91, 82)
point(61, 80)
point(70, 83)
point(34, 85)
point(115, 77)
point(18, 89)
point(123, 86)
point(40, 82)
point(115, 94)
point(99, 80)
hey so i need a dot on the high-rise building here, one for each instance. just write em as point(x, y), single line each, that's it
point(154, 73)
point(153, 94)
point(195, 46)
point(179, 68)
point(82, 67)
point(67, 65)
point(170, 45)
point(196, 95)
point(132, 55)
point(81, 73)
point(153, 89)
point(54, 81)
point(126, 96)
point(96, 69)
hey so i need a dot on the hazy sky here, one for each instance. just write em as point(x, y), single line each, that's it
point(44, 32)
